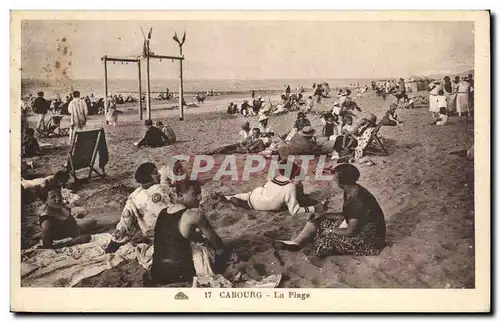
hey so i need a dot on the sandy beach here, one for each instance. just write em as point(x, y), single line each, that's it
point(427, 196)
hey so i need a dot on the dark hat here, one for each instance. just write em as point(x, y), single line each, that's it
point(148, 122)
point(301, 114)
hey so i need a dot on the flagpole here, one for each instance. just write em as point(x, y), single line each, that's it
point(181, 89)
point(148, 86)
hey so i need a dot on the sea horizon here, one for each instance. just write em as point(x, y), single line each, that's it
point(129, 86)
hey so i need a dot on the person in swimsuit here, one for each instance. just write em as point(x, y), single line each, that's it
point(174, 233)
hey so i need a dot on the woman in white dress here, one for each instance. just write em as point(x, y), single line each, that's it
point(463, 97)
point(434, 89)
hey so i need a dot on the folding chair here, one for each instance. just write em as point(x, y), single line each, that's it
point(52, 128)
point(375, 140)
point(84, 149)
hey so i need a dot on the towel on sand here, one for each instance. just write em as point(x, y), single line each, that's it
point(67, 266)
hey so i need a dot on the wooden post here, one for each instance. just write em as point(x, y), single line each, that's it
point(105, 84)
point(181, 90)
point(140, 88)
point(148, 88)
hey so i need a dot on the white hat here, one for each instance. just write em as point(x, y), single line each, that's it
point(263, 117)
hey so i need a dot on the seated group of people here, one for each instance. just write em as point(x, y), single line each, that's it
point(246, 109)
point(167, 214)
point(155, 136)
point(252, 140)
point(340, 136)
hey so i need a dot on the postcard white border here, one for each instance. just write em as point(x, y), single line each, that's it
point(322, 300)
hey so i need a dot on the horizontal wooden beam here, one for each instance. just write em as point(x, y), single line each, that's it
point(166, 57)
point(131, 60)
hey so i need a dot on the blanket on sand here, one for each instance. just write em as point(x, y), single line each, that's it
point(67, 266)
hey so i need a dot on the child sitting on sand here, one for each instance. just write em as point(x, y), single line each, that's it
point(443, 117)
point(301, 121)
point(391, 117)
point(57, 222)
point(30, 147)
point(180, 235)
point(442, 101)
point(349, 132)
point(331, 127)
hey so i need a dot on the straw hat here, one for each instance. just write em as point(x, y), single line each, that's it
point(307, 131)
point(263, 117)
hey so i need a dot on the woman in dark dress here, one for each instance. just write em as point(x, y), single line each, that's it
point(365, 231)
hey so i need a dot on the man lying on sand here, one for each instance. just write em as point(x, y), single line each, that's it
point(57, 223)
point(174, 233)
point(277, 193)
point(153, 138)
point(142, 208)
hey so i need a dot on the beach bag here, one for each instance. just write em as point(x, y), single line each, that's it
point(169, 132)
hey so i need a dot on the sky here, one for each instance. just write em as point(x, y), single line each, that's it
point(249, 50)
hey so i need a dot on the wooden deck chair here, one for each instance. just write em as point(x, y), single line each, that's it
point(375, 141)
point(84, 149)
point(52, 128)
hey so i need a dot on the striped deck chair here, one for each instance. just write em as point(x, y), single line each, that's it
point(369, 139)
